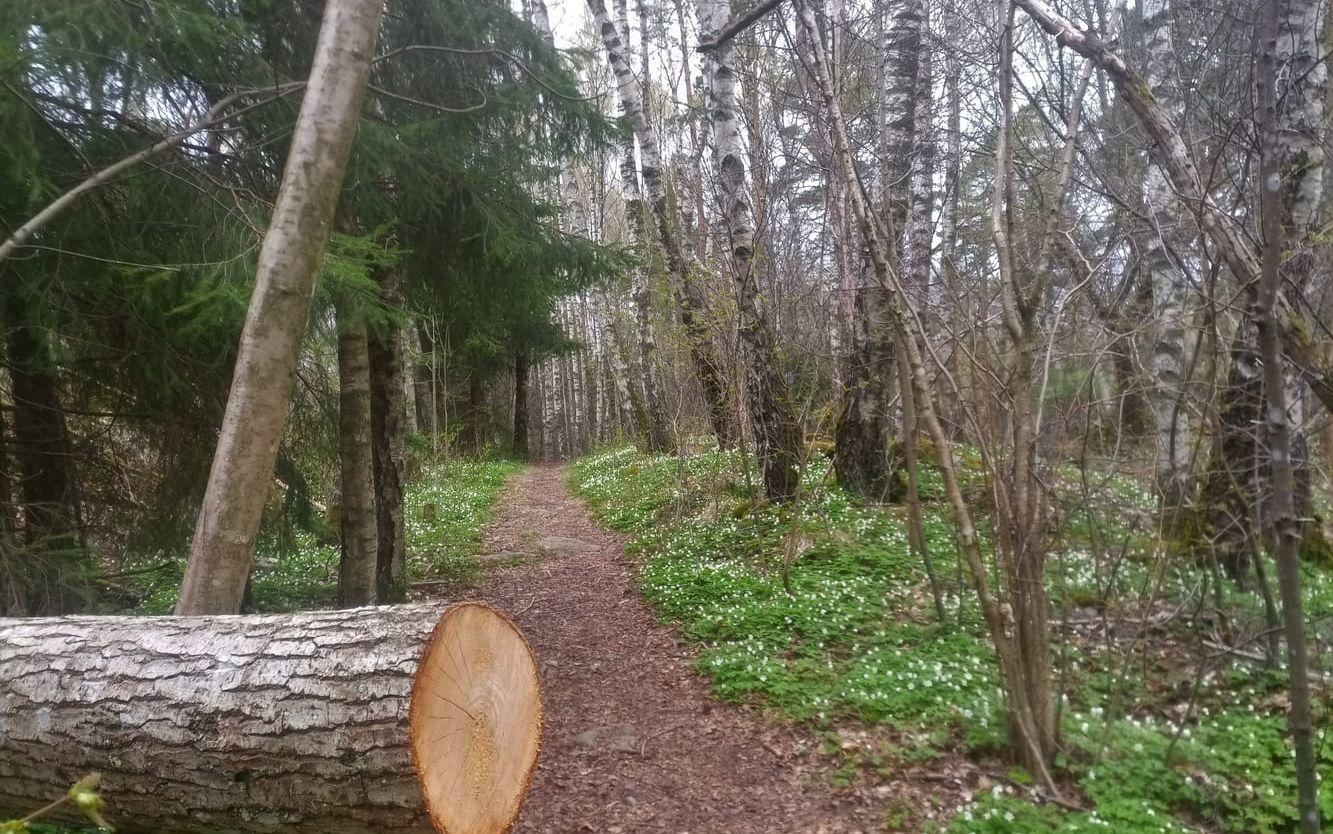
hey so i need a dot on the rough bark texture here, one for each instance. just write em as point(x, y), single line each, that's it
point(386, 442)
point(278, 723)
point(1171, 330)
point(356, 571)
point(777, 433)
point(289, 262)
point(690, 295)
point(864, 464)
point(521, 373)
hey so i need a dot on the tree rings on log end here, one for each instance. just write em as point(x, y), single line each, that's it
point(476, 721)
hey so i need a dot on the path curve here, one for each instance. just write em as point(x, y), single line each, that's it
point(634, 744)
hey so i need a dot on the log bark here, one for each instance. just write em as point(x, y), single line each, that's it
point(278, 723)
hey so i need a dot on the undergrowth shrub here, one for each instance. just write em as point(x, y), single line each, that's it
point(855, 640)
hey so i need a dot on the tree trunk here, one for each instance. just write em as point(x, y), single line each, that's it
point(690, 297)
point(386, 442)
point(289, 263)
point(1171, 329)
point(777, 434)
point(356, 571)
point(520, 448)
point(410, 424)
point(864, 464)
point(658, 430)
point(280, 724)
point(1289, 206)
point(476, 412)
point(45, 575)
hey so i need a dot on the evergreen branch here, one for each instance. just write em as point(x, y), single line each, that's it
point(514, 59)
point(380, 91)
point(216, 115)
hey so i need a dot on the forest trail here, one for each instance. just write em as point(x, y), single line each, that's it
point(634, 743)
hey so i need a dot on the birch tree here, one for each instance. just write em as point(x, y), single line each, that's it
point(1172, 340)
point(865, 425)
point(681, 273)
point(777, 433)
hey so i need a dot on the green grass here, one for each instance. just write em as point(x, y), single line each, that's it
point(855, 642)
point(300, 570)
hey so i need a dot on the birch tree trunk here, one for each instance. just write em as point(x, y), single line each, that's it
point(777, 434)
point(864, 465)
point(691, 296)
point(1172, 340)
point(289, 263)
point(360, 545)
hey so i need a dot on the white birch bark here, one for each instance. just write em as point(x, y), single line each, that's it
point(682, 273)
point(777, 435)
point(289, 262)
point(1171, 331)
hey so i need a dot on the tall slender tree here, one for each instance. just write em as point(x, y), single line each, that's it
point(289, 262)
point(777, 433)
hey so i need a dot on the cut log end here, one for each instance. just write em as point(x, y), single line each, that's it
point(476, 721)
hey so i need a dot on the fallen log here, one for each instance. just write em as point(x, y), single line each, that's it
point(356, 721)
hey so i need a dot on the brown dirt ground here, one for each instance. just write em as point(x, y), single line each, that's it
point(686, 763)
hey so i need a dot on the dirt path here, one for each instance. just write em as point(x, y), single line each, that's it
point(633, 742)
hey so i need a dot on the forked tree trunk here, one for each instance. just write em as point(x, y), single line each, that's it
point(289, 262)
point(777, 435)
point(280, 724)
point(356, 571)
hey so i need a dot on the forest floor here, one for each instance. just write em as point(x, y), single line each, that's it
point(634, 742)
